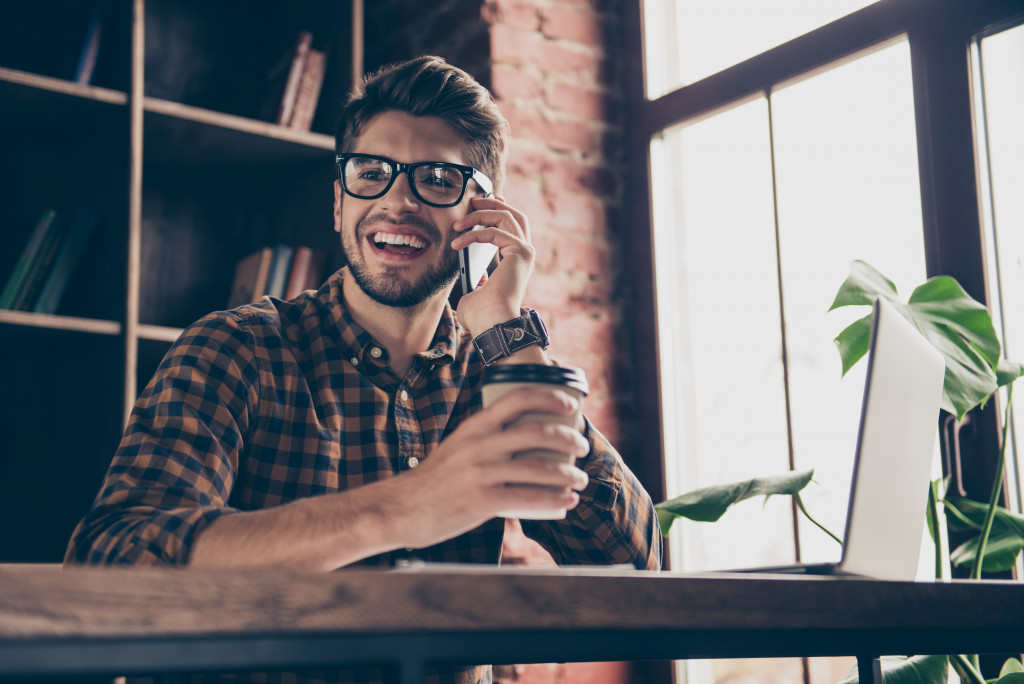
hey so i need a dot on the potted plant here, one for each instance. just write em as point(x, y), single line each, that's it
point(961, 329)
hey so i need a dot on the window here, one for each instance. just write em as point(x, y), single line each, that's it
point(771, 165)
point(785, 189)
point(999, 94)
point(687, 40)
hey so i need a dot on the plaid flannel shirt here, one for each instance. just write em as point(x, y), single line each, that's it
point(261, 405)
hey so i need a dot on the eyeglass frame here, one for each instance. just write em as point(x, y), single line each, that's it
point(468, 173)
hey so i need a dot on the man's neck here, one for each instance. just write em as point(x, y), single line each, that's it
point(404, 331)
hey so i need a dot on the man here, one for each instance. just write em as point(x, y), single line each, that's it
point(346, 426)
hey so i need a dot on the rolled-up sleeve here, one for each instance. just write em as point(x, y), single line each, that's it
point(176, 464)
point(614, 522)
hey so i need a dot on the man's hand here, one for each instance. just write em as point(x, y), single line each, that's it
point(464, 482)
point(500, 298)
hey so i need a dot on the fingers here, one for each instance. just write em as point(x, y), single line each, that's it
point(534, 436)
point(532, 499)
point(505, 241)
point(513, 405)
point(536, 471)
point(487, 211)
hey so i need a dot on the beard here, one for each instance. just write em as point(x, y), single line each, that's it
point(391, 288)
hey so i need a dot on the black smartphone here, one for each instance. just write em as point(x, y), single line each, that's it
point(473, 263)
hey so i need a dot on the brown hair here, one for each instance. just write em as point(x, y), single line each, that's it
point(429, 86)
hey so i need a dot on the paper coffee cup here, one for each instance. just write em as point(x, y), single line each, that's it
point(500, 380)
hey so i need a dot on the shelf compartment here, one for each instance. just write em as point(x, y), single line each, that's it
point(66, 148)
point(196, 226)
point(47, 38)
point(57, 445)
point(224, 57)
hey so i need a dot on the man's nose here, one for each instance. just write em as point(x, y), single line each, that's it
point(401, 192)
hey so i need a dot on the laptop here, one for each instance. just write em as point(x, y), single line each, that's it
point(892, 466)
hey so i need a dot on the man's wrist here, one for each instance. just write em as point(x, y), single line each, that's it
point(532, 354)
point(514, 337)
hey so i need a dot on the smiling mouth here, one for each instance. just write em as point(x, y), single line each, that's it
point(397, 244)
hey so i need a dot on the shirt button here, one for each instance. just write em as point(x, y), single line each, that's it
point(404, 395)
point(413, 461)
point(375, 352)
point(354, 361)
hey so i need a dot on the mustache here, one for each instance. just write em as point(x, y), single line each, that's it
point(426, 226)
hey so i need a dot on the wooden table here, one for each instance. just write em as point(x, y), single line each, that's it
point(94, 621)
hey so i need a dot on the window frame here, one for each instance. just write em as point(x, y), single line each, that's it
point(940, 34)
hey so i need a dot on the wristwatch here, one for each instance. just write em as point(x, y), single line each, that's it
point(505, 339)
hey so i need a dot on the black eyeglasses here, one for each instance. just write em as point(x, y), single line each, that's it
point(439, 184)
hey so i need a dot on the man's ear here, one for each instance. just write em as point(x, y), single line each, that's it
point(337, 206)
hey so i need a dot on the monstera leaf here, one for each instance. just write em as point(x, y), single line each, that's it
point(710, 503)
point(930, 669)
point(1005, 541)
point(956, 324)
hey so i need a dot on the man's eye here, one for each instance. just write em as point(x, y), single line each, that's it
point(439, 178)
point(371, 174)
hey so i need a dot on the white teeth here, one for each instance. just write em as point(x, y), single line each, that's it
point(393, 239)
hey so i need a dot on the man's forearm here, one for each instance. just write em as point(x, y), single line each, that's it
point(319, 533)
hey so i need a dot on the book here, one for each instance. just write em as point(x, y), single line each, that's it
point(309, 90)
point(65, 262)
point(91, 47)
point(33, 248)
point(28, 293)
point(291, 89)
point(250, 281)
point(277, 77)
point(306, 270)
point(279, 267)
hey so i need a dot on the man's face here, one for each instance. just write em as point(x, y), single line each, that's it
point(397, 246)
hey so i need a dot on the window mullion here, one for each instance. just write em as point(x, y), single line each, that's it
point(782, 319)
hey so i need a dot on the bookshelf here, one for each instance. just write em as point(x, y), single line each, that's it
point(171, 147)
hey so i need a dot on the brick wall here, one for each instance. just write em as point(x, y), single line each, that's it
point(555, 69)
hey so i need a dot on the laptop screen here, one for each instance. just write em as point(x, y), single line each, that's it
point(895, 444)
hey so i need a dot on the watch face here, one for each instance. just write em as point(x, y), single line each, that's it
point(539, 327)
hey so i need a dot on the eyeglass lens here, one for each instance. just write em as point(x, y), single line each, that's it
point(366, 177)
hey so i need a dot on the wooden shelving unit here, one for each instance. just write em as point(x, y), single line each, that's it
point(167, 148)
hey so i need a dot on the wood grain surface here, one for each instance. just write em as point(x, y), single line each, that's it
point(43, 601)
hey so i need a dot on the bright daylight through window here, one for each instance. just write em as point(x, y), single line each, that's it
point(999, 81)
point(786, 189)
point(687, 40)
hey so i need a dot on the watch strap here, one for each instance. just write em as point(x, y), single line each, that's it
point(505, 339)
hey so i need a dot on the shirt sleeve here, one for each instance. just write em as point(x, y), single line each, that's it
point(614, 522)
point(174, 469)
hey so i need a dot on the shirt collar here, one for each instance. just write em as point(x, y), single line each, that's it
point(355, 343)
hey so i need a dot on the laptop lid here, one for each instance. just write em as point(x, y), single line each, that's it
point(895, 444)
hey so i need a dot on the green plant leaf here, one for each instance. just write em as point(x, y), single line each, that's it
point(1005, 541)
point(1008, 371)
point(853, 342)
point(1011, 666)
point(956, 324)
point(710, 503)
point(862, 286)
point(1000, 553)
point(942, 302)
point(975, 511)
point(1010, 678)
point(930, 669)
